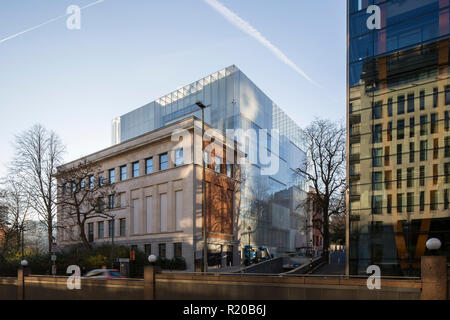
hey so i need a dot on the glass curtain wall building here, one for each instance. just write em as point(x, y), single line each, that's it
point(398, 132)
point(269, 203)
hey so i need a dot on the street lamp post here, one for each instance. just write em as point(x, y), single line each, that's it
point(205, 247)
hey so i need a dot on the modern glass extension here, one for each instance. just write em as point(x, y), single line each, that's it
point(269, 203)
point(398, 133)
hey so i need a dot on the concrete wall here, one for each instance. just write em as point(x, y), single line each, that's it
point(194, 286)
point(45, 287)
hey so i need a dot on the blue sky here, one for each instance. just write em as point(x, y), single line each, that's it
point(128, 53)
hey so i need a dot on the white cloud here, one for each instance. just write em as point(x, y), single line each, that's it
point(246, 27)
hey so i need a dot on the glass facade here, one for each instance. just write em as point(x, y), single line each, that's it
point(270, 203)
point(397, 79)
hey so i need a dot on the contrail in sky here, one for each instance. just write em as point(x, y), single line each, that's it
point(46, 22)
point(237, 21)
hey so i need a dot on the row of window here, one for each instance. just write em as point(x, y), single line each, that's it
point(163, 165)
point(411, 206)
point(379, 160)
point(377, 177)
point(377, 130)
point(410, 100)
point(177, 249)
point(111, 229)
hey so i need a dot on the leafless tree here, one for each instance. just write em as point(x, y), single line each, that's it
point(82, 196)
point(37, 154)
point(324, 168)
point(16, 205)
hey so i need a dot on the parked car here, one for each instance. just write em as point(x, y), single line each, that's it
point(104, 274)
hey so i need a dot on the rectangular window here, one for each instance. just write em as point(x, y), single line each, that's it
point(178, 157)
point(111, 201)
point(423, 125)
point(101, 181)
point(101, 229)
point(148, 165)
point(388, 180)
point(163, 161)
point(376, 133)
point(446, 199)
point(389, 131)
point(411, 127)
point(162, 250)
point(399, 154)
point(410, 202)
point(111, 227)
point(377, 204)
point(435, 148)
point(422, 201)
point(423, 150)
point(376, 110)
point(411, 152)
point(447, 121)
point(399, 178)
point(163, 212)
point(400, 104)
point(411, 102)
point(91, 182)
point(123, 173)
point(149, 201)
point(218, 161)
point(447, 172)
point(433, 127)
point(389, 203)
point(410, 178)
point(400, 202)
point(447, 147)
point(229, 170)
point(389, 105)
point(422, 176)
point(435, 174)
point(148, 249)
point(122, 226)
point(400, 129)
point(112, 176)
point(435, 97)
point(177, 250)
point(422, 100)
point(101, 204)
point(91, 231)
point(447, 95)
point(433, 200)
point(387, 155)
point(135, 167)
point(376, 180)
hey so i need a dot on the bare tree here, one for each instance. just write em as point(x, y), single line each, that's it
point(82, 195)
point(37, 154)
point(16, 206)
point(324, 168)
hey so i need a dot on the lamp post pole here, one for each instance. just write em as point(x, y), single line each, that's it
point(205, 244)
